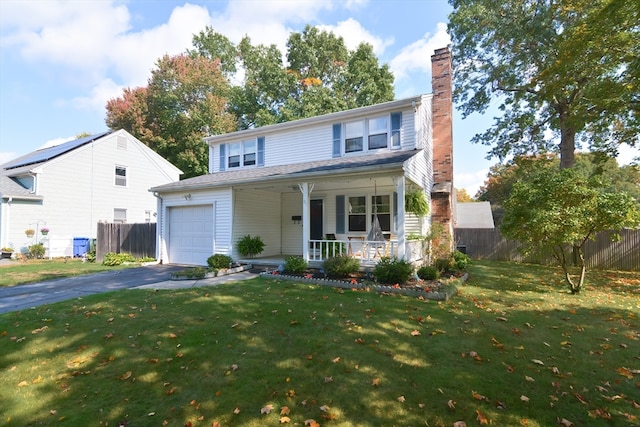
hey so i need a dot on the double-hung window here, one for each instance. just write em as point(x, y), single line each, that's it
point(357, 214)
point(240, 154)
point(121, 176)
point(354, 135)
point(381, 206)
point(369, 134)
point(378, 131)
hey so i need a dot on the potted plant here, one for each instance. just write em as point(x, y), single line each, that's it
point(7, 252)
point(250, 246)
point(29, 232)
point(44, 231)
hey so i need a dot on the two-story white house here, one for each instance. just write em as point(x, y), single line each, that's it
point(70, 187)
point(334, 181)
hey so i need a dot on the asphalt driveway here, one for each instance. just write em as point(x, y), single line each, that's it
point(31, 295)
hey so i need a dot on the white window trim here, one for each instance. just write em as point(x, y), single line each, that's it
point(366, 134)
point(242, 145)
point(369, 211)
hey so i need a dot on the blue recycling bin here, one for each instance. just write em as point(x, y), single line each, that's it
point(80, 246)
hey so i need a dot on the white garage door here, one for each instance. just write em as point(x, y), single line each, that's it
point(190, 234)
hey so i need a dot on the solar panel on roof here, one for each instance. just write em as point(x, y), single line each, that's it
point(52, 152)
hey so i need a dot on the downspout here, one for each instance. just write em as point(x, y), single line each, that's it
point(159, 228)
point(6, 223)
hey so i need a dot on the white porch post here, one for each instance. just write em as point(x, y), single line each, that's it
point(400, 188)
point(306, 220)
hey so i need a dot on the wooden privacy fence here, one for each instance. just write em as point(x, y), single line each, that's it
point(138, 240)
point(599, 253)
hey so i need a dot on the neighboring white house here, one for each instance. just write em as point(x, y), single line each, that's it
point(300, 184)
point(71, 187)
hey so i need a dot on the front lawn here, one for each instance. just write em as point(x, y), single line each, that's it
point(513, 348)
point(14, 272)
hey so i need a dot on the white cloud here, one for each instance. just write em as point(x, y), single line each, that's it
point(416, 56)
point(56, 141)
point(353, 34)
point(470, 181)
point(627, 154)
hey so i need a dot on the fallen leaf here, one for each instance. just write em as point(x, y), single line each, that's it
point(537, 361)
point(459, 424)
point(524, 398)
point(580, 398)
point(481, 417)
point(126, 375)
point(496, 343)
point(451, 404)
point(311, 423)
point(415, 333)
point(328, 379)
point(266, 409)
point(478, 396)
point(284, 420)
point(236, 411)
point(401, 399)
point(336, 360)
point(502, 319)
point(324, 408)
point(375, 382)
point(564, 422)
point(285, 410)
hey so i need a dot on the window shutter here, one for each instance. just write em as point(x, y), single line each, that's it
point(223, 157)
point(337, 139)
point(261, 151)
point(396, 124)
point(340, 214)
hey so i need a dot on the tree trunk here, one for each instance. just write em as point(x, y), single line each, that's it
point(567, 138)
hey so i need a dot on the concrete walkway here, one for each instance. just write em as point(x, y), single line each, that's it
point(32, 295)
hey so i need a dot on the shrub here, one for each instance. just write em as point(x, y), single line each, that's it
point(112, 259)
point(91, 256)
point(219, 261)
point(295, 264)
point(461, 260)
point(250, 246)
point(444, 264)
point(392, 270)
point(428, 272)
point(340, 266)
point(37, 250)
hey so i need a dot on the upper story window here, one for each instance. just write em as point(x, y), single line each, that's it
point(378, 132)
point(242, 154)
point(121, 176)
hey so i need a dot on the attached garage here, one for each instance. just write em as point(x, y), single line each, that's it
point(191, 234)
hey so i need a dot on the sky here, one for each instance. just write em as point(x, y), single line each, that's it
point(62, 60)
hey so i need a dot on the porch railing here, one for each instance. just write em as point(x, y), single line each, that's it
point(368, 252)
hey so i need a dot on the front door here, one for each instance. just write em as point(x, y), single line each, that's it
point(316, 220)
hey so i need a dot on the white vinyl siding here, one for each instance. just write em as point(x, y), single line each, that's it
point(257, 213)
point(78, 189)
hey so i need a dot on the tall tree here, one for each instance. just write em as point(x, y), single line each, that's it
point(566, 68)
point(184, 102)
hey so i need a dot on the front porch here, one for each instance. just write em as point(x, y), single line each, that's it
point(367, 252)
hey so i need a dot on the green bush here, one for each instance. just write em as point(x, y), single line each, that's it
point(392, 270)
point(340, 266)
point(91, 256)
point(461, 260)
point(295, 264)
point(37, 250)
point(444, 264)
point(219, 261)
point(112, 259)
point(250, 246)
point(428, 272)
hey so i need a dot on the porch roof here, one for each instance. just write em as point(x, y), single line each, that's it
point(337, 166)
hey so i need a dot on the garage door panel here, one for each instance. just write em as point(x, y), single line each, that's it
point(190, 234)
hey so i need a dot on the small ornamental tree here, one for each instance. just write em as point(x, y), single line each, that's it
point(557, 211)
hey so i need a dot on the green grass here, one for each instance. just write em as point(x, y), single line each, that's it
point(531, 352)
point(37, 270)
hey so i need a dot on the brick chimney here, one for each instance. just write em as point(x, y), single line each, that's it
point(442, 194)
